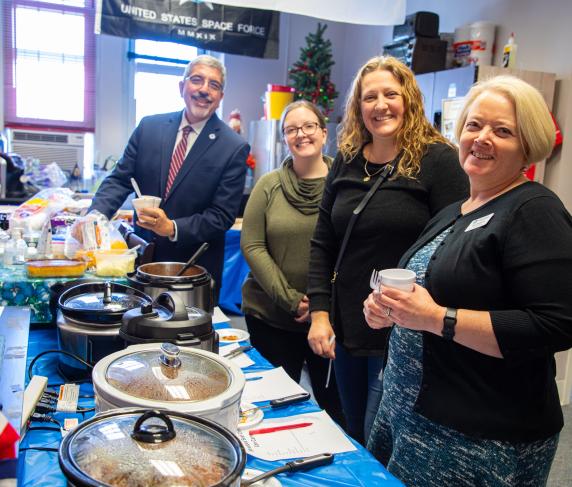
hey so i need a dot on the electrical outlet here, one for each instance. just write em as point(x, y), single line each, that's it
point(32, 395)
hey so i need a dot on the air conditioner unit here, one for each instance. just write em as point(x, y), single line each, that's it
point(65, 148)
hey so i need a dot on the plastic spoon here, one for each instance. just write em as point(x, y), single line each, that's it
point(193, 258)
point(294, 466)
point(136, 188)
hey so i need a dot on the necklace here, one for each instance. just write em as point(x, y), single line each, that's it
point(369, 175)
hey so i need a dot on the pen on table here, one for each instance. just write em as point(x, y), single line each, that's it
point(332, 339)
point(258, 377)
point(274, 429)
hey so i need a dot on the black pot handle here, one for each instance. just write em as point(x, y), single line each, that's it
point(154, 433)
point(175, 304)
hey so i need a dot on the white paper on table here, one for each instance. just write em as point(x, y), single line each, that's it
point(275, 383)
point(323, 436)
point(242, 360)
point(219, 316)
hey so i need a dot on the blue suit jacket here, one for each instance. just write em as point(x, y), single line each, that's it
point(206, 193)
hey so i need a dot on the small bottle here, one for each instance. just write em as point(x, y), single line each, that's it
point(21, 248)
point(9, 252)
point(509, 53)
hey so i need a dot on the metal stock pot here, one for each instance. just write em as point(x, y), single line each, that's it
point(195, 286)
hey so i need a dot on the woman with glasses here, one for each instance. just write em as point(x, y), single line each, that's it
point(279, 220)
point(384, 123)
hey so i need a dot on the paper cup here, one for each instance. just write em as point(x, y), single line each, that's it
point(145, 202)
point(402, 279)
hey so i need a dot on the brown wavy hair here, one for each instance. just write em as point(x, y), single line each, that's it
point(414, 135)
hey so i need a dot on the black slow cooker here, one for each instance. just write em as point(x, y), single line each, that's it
point(169, 320)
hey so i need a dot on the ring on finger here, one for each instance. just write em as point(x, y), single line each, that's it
point(387, 312)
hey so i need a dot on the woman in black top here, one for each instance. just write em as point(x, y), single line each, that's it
point(384, 122)
point(469, 390)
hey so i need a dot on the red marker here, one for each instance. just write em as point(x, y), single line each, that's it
point(274, 429)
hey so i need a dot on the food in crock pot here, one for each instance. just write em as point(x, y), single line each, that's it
point(204, 465)
point(170, 384)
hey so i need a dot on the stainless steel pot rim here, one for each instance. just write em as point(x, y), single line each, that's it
point(149, 273)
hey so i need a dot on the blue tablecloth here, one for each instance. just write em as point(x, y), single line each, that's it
point(233, 275)
point(40, 468)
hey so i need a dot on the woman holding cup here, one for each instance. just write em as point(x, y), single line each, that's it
point(279, 220)
point(384, 130)
point(469, 390)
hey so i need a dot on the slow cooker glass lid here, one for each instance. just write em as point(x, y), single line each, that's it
point(143, 375)
point(106, 452)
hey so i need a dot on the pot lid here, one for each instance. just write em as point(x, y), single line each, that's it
point(169, 375)
point(151, 448)
point(101, 302)
point(167, 319)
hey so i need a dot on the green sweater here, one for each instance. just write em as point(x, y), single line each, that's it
point(275, 242)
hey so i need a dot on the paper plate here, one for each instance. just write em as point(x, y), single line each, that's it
point(232, 335)
point(251, 419)
point(250, 473)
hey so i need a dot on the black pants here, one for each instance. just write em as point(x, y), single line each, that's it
point(289, 350)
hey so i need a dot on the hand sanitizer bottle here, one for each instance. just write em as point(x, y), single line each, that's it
point(509, 53)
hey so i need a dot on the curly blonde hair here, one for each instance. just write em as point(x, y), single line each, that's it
point(414, 135)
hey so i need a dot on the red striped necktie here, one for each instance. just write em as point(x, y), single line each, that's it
point(178, 158)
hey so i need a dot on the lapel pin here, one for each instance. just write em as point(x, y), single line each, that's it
point(212, 136)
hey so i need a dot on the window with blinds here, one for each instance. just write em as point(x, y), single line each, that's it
point(49, 64)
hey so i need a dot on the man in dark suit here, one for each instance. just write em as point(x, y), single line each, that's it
point(198, 172)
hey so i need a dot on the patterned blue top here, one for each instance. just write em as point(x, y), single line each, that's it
point(421, 452)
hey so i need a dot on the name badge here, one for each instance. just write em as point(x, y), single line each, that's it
point(479, 222)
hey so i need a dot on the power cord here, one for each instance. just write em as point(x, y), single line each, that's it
point(63, 352)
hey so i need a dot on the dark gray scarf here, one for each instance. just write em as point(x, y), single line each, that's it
point(303, 194)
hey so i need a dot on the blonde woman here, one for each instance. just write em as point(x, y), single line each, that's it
point(384, 123)
point(469, 390)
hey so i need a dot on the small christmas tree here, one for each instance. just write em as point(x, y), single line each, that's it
point(310, 75)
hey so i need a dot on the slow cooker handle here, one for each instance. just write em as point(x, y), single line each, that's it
point(154, 433)
point(175, 304)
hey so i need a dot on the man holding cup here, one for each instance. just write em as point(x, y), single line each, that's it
point(193, 162)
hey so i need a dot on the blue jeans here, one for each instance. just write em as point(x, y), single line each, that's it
point(360, 391)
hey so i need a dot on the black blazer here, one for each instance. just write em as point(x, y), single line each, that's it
point(518, 266)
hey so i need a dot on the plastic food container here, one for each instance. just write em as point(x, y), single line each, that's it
point(55, 268)
point(147, 448)
point(114, 262)
point(277, 98)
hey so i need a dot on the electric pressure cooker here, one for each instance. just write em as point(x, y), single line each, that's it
point(169, 320)
point(88, 323)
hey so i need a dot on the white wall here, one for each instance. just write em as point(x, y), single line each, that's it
point(543, 34)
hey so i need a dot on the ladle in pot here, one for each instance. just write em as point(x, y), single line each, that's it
point(193, 259)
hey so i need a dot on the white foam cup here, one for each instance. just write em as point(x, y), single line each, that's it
point(145, 202)
point(402, 279)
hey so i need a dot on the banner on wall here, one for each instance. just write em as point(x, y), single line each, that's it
point(364, 12)
point(222, 28)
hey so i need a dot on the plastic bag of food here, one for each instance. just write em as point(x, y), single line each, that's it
point(33, 213)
